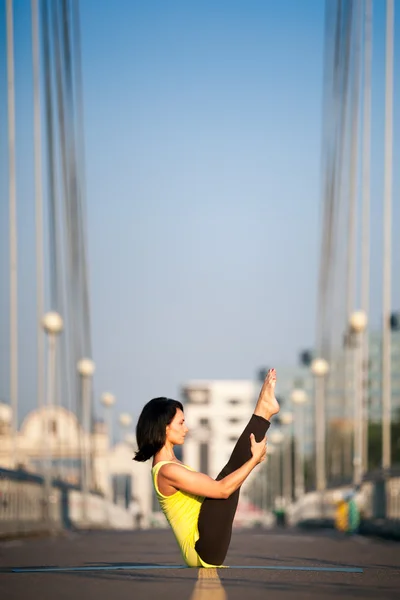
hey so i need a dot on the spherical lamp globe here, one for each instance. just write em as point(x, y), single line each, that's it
point(298, 396)
point(108, 399)
point(125, 419)
point(286, 418)
point(52, 323)
point(319, 367)
point(5, 413)
point(86, 367)
point(358, 321)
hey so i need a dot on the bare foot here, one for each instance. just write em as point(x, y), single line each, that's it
point(267, 404)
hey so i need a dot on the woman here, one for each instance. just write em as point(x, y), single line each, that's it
point(200, 509)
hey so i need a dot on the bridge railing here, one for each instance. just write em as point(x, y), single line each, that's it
point(26, 507)
point(23, 507)
point(393, 498)
point(378, 499)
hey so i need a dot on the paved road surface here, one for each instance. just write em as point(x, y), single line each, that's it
point(131, 565)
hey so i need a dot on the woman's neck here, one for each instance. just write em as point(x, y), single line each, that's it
point(166, 453)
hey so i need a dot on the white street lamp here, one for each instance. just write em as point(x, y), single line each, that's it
point(277, 438)
point(286, 418)
point(320, 368)
point(265, 480)
point(13, 232)
point(358, 324)
point(5, 414)
point(270, 475)
point(108, 400)
point(125, 419)
point(358, 321)
point(299, 398)
point(53, 325)
point(366, 206)
point(387, 242)
point(86, 368)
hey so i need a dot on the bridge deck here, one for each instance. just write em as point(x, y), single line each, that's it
point(132, 565)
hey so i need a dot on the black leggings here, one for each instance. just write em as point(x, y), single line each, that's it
point(216, 515)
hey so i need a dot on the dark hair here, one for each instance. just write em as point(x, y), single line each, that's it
point(151, 426)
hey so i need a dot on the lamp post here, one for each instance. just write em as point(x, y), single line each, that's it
point(6, 420)
point(366, 209)
point(387, 243)
point(86, 369)
point(125, 420)
point(38, 199)
point(53, 325)
point(260, 486)
point(13, 233)
point(286, 419)
point(108, 400)
point(270, 476)
point(276, 438)
point(358, 324)
point(299, 398)
point(320, 368)
point(263, 486)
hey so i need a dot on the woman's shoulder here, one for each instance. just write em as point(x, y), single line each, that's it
point(160, 463)
point(178, 463)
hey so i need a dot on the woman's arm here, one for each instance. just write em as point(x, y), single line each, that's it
point(200, 484)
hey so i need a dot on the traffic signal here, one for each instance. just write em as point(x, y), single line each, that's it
point(395, 321)
point(306, 357)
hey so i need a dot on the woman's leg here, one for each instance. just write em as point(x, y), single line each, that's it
point(216, 516)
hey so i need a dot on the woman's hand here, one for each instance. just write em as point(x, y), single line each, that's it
point(258, 449)
point(180, 478)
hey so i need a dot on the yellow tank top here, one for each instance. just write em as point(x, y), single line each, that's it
point(182, 513)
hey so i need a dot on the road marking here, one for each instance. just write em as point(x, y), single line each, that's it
point(292, 568)
point(205, 576)
point(94, 568)
point(208, 586)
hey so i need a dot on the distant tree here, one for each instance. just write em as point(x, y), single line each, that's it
point(375, 443)
point(309, 473)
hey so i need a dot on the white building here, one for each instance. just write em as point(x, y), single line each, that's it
point(216, 413)
point(57, 433)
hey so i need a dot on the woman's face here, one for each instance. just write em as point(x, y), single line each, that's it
point(177, 430)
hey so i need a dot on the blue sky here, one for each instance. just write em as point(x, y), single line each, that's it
point(203, 136)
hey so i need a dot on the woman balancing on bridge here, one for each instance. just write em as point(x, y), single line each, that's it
point(200, 509)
